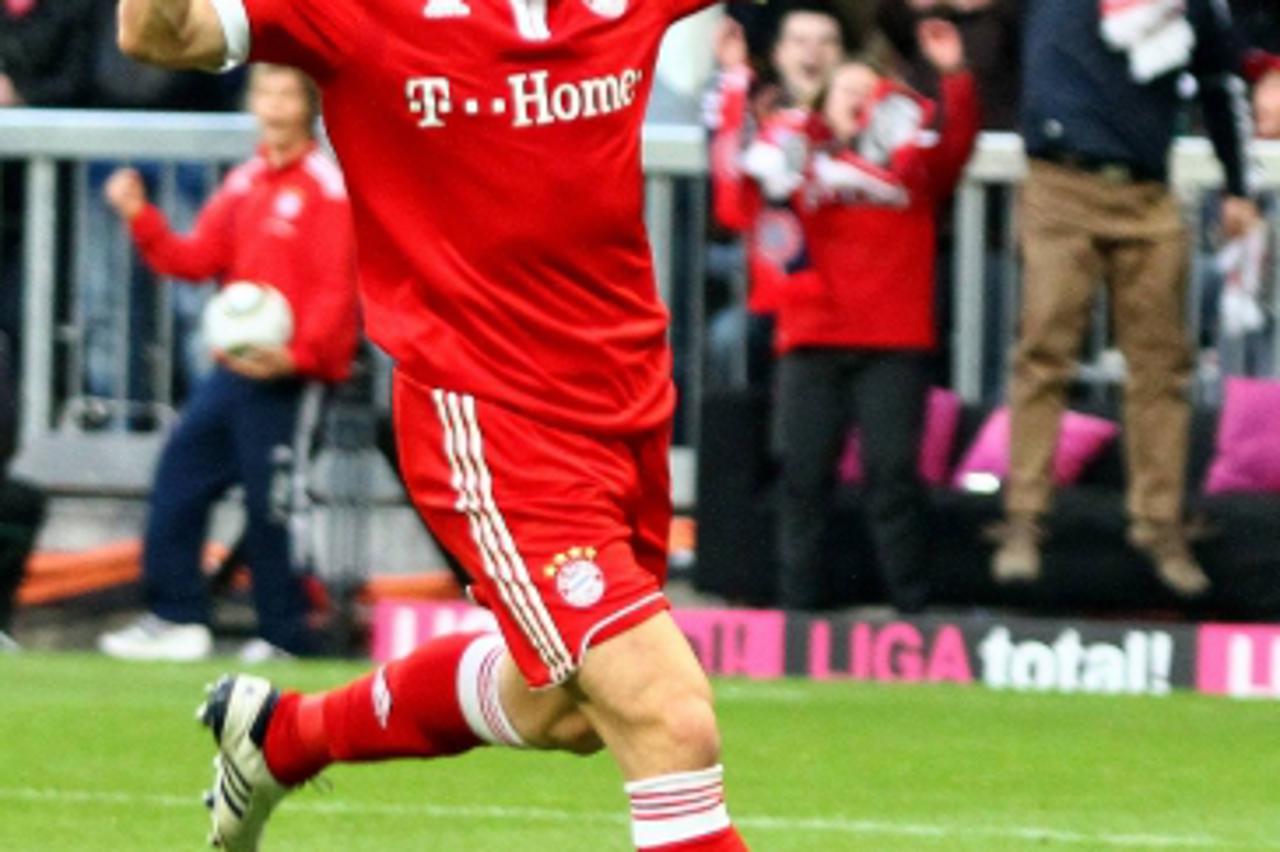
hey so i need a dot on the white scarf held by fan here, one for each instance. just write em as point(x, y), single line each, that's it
point(1241, 264)
point(1155, 34)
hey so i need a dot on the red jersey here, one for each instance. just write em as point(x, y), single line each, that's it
point(871, 231)
point(771, 232)
point(492, 149)
point(289, 227)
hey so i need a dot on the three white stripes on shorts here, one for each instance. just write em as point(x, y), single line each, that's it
point(472, 480)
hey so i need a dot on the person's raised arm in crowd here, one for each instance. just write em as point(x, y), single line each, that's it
point(889, 144)
point(807, 47)
point(961, 112)
point(729, 120)
point(992, 34)
point(204, 253)
point(1217, 65)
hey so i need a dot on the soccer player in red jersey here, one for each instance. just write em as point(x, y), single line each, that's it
point(492, 155)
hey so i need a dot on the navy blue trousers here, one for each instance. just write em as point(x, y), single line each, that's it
point(227, 435)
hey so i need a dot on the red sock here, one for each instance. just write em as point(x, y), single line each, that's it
point(438, 701)
point(683, 812)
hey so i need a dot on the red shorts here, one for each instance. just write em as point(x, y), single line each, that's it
point(563, 534)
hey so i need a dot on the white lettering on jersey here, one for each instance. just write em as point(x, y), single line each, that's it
point(429, 98)
point(536, 102)
point(531, 19)
point(447, 9)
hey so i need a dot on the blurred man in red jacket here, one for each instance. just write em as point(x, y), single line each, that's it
point(280, 219)
point(856, 329)
point(808, 46)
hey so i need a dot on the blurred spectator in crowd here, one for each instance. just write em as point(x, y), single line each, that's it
point(855, 329)
point(45, 51)
point(992, 33)
point(281, 219)
point(810, 41)
point(1100, 104)
point(1235, 271)
point(762, 22)
point(1266, 104)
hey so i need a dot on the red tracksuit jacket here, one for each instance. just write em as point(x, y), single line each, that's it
point(289, 227)
point(871, 282)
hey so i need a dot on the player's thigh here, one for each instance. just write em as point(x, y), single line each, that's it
point(542, 520)
point(649, 699)
point(546, 718)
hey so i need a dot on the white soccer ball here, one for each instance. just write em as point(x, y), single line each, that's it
point(243, 315)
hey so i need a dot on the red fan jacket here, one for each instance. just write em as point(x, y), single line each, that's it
point(289, 227)
point(870, 222)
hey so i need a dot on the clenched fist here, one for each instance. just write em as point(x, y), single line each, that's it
point(126, 193)
point(941, 44)
point(730, 45)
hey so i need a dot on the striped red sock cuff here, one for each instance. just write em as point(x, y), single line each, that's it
point(479, 693)
point(672, 810)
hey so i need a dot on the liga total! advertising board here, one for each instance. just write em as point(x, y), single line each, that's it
point(1013, 653)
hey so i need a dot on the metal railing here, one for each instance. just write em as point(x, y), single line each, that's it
point(58, 254)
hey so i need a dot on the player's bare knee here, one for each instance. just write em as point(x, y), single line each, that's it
point(690, 726)
point(680, 721)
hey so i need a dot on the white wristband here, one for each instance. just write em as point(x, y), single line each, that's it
point(235, 30)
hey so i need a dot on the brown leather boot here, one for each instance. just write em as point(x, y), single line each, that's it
point(1017, 559)
point(1165, 544)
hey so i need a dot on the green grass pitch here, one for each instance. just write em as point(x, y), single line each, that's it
point(100, 755)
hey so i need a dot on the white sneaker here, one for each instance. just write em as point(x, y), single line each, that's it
point(153, 638)
point(9, 645)
point(237, 709)
point(258, 651)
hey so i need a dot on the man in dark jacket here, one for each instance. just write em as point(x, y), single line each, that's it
point(1100, 105)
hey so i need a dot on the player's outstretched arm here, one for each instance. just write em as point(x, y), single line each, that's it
point(172, 33)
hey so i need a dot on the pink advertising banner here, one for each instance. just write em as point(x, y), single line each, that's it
point(1006, 652)
point(739, 643)
point(1239, 660)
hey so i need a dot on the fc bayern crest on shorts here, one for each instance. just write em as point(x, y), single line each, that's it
point(607, 8)
point(579, 579)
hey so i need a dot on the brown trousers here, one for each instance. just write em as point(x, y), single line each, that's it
point(1080, 229)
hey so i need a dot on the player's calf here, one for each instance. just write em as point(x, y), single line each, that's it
point(651, 702)
point(443, 699)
